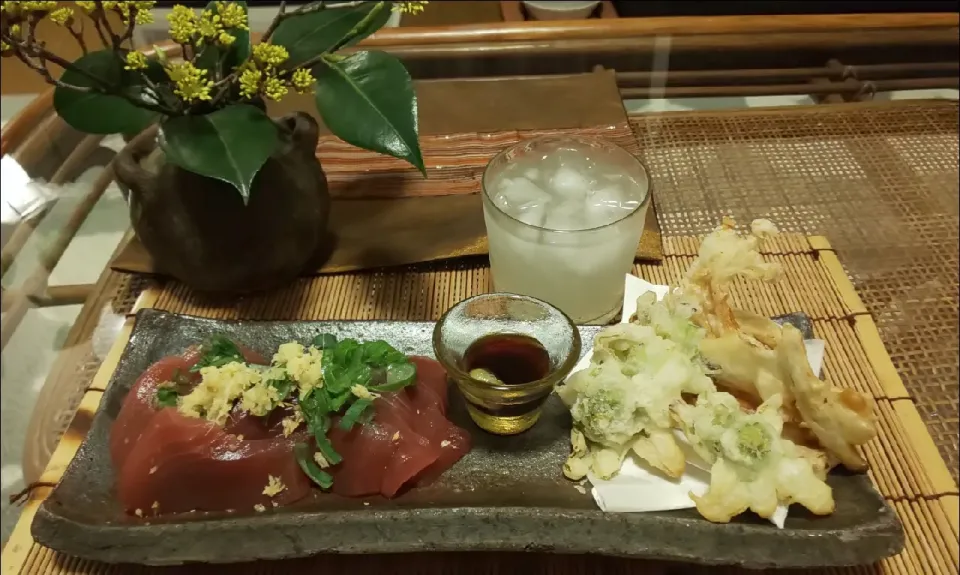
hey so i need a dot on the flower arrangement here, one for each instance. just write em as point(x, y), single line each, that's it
point(209, 97)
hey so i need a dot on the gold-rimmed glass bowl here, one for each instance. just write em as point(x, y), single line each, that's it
point(505, 409)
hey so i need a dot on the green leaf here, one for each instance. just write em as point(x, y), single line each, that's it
point(353, 413)
point(325, 447)
point(338, 400)
point(283, 386)
point(369, 27)
point(325, 341)
point(379, 353)
point(231, 144)
point(343, 367)
point(315, 409)
point(94, 112)
point(398, 376)
point(218, 350)
point(305, 459)
point(367, 100)
point(306, 36)
point(236, 53)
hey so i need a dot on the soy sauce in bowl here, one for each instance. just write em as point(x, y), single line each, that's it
point(506, 353)
point(510, 358)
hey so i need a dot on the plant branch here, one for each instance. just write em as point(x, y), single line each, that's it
point(34, 49)
point(131, 25)
point(224, 84)
point(96, 24)
point(349, 36)
point(102, 12)
point(308, 8)
point(45, 72)
point(78, 36)
point(280, 17)
point(41, 53)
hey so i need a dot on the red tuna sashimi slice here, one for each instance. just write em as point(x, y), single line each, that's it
point(367, 451)
point(409, 429)
point(184, 463)
point(455, 443)
point(250, 426)
point(139, 406)
point(414, 452)
point(431, 386)
point(451, 441)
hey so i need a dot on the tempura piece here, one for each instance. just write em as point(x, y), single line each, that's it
point(759, 328)
point(753, 468)
point(752, 357)
point(723, 256)
point(612, 412)
point(621, 402)
point(840, 419)
point(749, 369)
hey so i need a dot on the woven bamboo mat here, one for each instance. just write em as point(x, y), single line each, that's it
point(880, 181)
point(905, 465)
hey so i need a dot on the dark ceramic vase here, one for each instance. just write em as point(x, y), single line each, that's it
point(198, 230)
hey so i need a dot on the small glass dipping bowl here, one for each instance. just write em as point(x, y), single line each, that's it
point(505, 409)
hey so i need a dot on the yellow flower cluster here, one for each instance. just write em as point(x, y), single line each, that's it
point(409, 7)
point(302, 80)
point(138, 11)
point(270, 55)
point(62, 16)
point(16, 11)
point(136, 61)
point(15, 8)
point(191, 82)
point(211, 24)
point(260, 75)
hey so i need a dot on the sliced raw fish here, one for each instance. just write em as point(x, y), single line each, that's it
point(409, 442)
point(367, 451)
point(140, 405)
point(414, 451)
point(167, 462)
point(185, 463)
point(431, 377)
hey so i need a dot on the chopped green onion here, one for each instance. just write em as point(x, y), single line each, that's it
point(324, 446)
point(283, 386)
point(398, 376)
point(325, 341)
point(167, 396)
point(218, 351)
point(353, 414)
point(310, 468)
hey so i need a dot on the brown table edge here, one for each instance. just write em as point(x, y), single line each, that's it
point(597, 28)
point(803, 109)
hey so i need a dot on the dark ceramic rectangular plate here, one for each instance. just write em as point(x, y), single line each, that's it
point(507, 494)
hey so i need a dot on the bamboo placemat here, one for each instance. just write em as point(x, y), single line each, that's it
point(905, 465)
point(879, 180)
